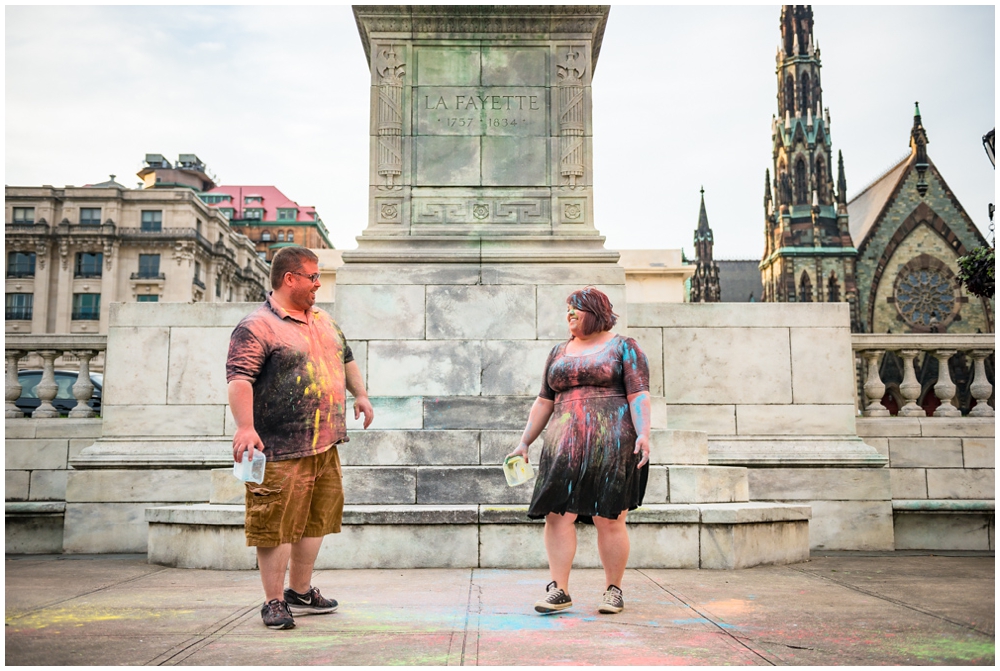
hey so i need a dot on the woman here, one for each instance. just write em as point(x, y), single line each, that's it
point(594, 460)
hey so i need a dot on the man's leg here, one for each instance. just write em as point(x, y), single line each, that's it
point(273, 562)
point(303, 554)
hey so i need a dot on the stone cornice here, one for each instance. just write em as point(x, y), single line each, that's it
point(494, 20)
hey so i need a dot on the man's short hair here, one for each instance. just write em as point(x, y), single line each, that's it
point(289, 260)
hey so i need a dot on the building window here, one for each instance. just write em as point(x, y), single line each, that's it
point(801, 186)
point(806, 98)
point(262, 255)
point(197, 226)
point(149, 265)
point(148, 298)
point(88, 264)
point(20, 264)
point(152, 221)
point(287, 214)
point(291, 236)
point(24, 215)
point(252, 199)
point(229, 295)
point(253, 213)
point(90, 216)
point(833, 289)
point(805, 288)
point(87, 306)
point(197, 271)
point(789, 93)
point(265, 236)
point(218, 287)
point(227, 212)
point(281, 236)
point(821, 180)
point(19, 306)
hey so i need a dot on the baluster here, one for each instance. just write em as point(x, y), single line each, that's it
point(981, 388)
point(944, 388)
point(83, 388)
point(47, 388)
point(12, 387)
point(874, 387)
point(910, 388)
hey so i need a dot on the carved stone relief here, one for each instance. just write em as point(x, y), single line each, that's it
point(482, 211)
point(571, 68)
point(390, 71)
point(389, 210)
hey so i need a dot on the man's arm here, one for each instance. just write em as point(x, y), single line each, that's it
point(241, 403)
point(356, 386)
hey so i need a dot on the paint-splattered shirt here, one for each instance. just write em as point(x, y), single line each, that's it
point(297, 372)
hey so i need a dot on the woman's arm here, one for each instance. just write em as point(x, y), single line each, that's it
point(639, 407)
point(541, 410)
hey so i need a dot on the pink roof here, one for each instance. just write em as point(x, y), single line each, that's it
point(271, 200)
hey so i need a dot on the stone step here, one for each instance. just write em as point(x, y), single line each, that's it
point(718, 536)
point(458, 485)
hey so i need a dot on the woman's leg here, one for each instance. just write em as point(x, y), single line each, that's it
point(613, 546)
point(560, 546)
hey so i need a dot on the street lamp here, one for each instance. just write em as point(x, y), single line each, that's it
point(988, 144)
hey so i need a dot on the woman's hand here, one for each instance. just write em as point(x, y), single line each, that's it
point(521, 451)
point(642, 444)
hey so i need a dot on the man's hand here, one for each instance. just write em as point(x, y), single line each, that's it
point(363, 405)
point(246, 439)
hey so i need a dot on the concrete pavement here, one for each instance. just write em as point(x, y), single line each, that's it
point(835, 609)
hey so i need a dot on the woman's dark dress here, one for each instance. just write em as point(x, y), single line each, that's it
point(588, 465)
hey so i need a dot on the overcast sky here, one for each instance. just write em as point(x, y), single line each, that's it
point(683, 97)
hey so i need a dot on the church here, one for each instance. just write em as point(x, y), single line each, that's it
point(891, 250)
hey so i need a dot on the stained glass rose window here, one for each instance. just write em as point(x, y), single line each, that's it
point(925, 296)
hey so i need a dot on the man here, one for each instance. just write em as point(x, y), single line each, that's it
point(289, 368)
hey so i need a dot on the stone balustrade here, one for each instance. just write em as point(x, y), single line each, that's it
point(871, 348)
point(50, 347)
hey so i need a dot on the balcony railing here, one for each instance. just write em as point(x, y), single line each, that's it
point(910, 374)
point(198, 283)
point(49, 348)
point(148, 276)
point(19, 313)
point(84, 314)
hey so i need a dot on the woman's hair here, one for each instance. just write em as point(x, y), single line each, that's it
point(597, 309)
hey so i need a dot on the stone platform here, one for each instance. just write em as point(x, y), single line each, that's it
point(442, 513)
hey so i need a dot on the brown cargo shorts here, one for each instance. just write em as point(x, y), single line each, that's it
point(299, 497)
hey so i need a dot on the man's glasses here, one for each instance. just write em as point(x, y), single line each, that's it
point(312, 278)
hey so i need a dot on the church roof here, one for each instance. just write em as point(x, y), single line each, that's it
point(865, 207)
point(739, 281)
point(703, 216)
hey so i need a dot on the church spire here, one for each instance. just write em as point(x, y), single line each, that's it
point(807, 236)
point(705, 281)
point(841, 180)
point(918, 144)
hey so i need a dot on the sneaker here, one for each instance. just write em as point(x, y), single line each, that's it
point(555, 600)
point(310, 603)
point(613, 601)
point(276, 615)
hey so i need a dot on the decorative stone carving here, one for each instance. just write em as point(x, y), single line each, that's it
point(572, 211)
point(390, 71)
point(12, 385)
point(482, 210)
point(571, 69)
point(64, 253)
point(41, 253)
point(83, 388)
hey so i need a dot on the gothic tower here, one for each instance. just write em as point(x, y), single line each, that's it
point(808, 253)
point(705, 281)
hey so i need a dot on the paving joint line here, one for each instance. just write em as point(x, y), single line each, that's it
point(964, 625)
point(465, 626)
point(199, 641)
point(706, 618)
point(82, 594)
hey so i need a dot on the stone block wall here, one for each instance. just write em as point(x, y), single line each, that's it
point(942, 479)
point(36, 468)
point(773, 386)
